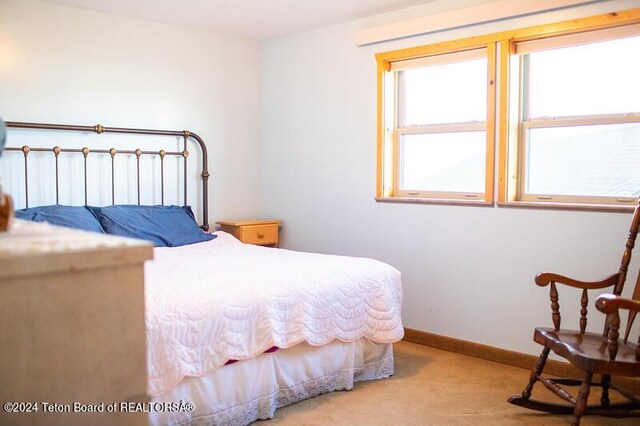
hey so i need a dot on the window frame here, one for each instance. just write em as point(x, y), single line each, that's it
point(513, 124)
point(391, 127)
point(504, 143)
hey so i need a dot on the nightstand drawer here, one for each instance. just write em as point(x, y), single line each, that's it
point(259, 234)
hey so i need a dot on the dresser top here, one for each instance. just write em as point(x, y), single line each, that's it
point(30, 248)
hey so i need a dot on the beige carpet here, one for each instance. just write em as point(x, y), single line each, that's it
point(432, 387)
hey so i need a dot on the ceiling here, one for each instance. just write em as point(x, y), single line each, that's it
point(254, 19)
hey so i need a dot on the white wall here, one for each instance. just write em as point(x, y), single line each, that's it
point(65, 65)
point(467, 271)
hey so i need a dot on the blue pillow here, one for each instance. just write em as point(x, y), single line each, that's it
point(164, 226)
point(77, 217)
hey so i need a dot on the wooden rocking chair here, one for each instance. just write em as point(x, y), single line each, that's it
point(592, 353)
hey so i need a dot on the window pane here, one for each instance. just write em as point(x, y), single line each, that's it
point(452, 162)
point(597, 78)
point(599, 160)
point(447, 93)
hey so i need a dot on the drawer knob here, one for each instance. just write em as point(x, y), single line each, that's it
point(260, 235)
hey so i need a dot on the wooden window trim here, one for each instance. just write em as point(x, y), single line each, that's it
point(388, 139)
point(505, 119)
point(510, 166)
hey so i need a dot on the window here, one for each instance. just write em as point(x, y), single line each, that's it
point(564, 97)
point(578, 118)
point(436, 121)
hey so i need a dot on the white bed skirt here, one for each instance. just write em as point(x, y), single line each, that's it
point(240, 393)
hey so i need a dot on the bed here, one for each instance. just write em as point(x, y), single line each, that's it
point(236, 330)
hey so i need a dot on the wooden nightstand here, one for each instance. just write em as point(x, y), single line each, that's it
point(260, 232)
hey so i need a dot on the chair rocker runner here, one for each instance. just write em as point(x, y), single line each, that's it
point(603, 354)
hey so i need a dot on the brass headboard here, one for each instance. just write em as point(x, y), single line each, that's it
point(56, 150)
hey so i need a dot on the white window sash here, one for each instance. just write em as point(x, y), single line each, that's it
point(439, 59)
point(472, 126)
point(572, 121)
point(582, 199)
point(401, 130)
point(439, 195)
point(582, 120)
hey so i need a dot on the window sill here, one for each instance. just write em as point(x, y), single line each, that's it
point(439, 201)
point(568, 206)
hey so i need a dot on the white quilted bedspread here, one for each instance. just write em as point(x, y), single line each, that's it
point(210, 302)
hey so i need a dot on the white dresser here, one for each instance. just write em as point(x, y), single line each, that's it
point(72, 326)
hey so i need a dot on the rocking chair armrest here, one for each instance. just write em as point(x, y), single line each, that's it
point(544, 278)
point(609, 303)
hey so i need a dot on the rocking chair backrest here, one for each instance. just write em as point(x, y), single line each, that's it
point(624, 266)
point(626, 257)
point(632, 314)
